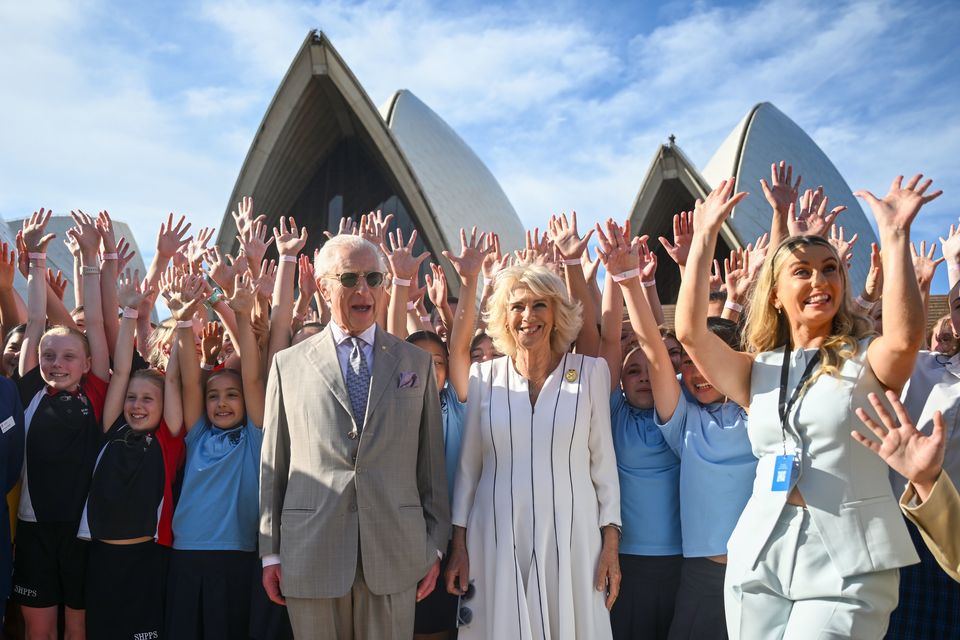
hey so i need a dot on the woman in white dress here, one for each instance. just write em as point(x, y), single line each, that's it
point(536, 509)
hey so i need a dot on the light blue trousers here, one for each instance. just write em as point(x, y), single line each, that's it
point(795, 593)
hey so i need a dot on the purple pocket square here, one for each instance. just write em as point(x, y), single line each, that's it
point(408, 380)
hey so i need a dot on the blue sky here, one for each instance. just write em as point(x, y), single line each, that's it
point(144, 108)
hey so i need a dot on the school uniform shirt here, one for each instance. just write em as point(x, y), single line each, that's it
point(649, 472)
point(63, 437)
point(452, 411)
point(131, 494)
point(717, 468)
point(934, 386)
point(11, 457)
point(219, 503)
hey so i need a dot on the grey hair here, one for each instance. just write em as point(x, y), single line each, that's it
point(324, 261)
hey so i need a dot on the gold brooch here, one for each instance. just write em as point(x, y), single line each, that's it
point(571, 375)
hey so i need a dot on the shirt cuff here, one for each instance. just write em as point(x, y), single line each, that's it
point(271, 559)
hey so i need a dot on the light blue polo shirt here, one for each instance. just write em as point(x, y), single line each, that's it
point(219, 506)
point(649, 473)
point(453, 412)
point(717, 469)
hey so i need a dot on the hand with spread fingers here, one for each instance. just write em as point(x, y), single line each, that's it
point(897, 210)
point(679, 249)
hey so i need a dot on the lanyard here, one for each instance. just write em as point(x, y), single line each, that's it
point(785, 405)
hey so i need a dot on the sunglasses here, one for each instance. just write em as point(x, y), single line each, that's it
point(465, 614)
point(351, 279)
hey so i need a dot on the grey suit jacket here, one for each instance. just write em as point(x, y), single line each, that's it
point(324, 497)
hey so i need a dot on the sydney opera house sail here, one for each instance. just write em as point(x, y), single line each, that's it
point(323, 151)
point(764, 136)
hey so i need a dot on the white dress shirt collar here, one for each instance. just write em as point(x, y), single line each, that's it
point(339, 335)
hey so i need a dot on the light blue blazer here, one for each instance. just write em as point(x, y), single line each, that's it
point(845, 485)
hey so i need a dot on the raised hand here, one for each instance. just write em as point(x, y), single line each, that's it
point(873, 286)
point(124, 254)
point(403, 264)
point(287, 240)
point(716, 280)
point(737, 273)
point(909, 452)
point(565, 236)
point(35, 239)
point(374, 227)
point(709, 214)
point(306, 280)
point(618, 254)
point(57, 283)
point(8, 266)
point(86, 234)
point(924, 266)
point(781, 192)
point(813, 218)
point(682, 237)
point(196, 247)
point(472, 258)
point(266, 279)
point(648, 261)
point(130, 293)
point(107, 236)
point(171, 237)
point(184, 292)
point(244, 294)
point(220, 270)
point(897, 210)
point(243, 218)
point(211, 342)
point(757, 254)
point(590, 265)
point(843, 245)
point(437, 286)
point(347, 227)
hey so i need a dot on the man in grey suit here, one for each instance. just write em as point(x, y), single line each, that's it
point(354, 511)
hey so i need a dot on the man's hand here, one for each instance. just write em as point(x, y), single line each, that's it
point(271, 584)
point(425, 586)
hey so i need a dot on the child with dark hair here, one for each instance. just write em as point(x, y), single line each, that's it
point(130, 507)
point(215, 524)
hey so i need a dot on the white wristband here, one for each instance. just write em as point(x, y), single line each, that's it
point(626, 275)
point(487, 282)
point(648, 284)
point(401, 282)
point(108, 256)
point(184, 324)
point(733, 306)
point(425, 319)
point(571, 262)
point(130, 312)
point(37, 256)
point(288, 258)
point(411, 306)
point(866, 305)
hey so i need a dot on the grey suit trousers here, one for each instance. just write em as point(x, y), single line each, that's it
point(357, 615)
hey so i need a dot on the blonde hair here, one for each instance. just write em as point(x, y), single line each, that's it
point(160, 337)
point(767, 329)
point(62, 330)
point(543, 283)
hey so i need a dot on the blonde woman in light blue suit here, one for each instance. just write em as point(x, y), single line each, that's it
point(816, 551)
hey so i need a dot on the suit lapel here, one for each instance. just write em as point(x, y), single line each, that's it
point(323, 355)
point(384, 368)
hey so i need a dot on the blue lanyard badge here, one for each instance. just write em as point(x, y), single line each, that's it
point(783, 472)
point(786, 465)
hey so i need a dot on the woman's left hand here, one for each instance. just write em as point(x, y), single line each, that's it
point(608, 572)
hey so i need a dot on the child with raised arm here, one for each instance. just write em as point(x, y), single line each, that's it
point(63, 387)
point(215, 523)
point(649, 470)
point(130, 507)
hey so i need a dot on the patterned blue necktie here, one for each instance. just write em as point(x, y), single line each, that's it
point(358, 382)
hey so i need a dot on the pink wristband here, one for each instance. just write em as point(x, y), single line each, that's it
point(401, 282)
point(733, 306)
point(130, 312)
point(626, 275)
point(288, 258)
point(37, 256)
point(648, 283)
point(571, 262)
point(184, 324)
point(108, 256)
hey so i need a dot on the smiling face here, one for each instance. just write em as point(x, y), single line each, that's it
point(224, 399)
point(63, 361)
point(697, 385)
point(635, 380)
point(484, 350)
point(810, 287)
point(353, 309)
point(529, 319)
point(143, 404)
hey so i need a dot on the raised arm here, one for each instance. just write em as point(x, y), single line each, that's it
point(172, 394)
point(10, 312)
point(893, 354)
point(780, 193)
point(404, 267)
point(254, 388)
point(87, 236)
point(924, 268)
point(648, 278)
point(621, 258)
point(467, 265)
point(289, 244)
point(170, 239)
point(571, 247)
point(35, 241)
point(108, 279)
point(679, 249)
point(727, 370)
point(611, 325)
point(184, 293)
point(130, 295)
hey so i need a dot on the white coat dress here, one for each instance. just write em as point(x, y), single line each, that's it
point(534, 486)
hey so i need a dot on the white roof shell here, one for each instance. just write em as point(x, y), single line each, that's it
point(764, 136)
